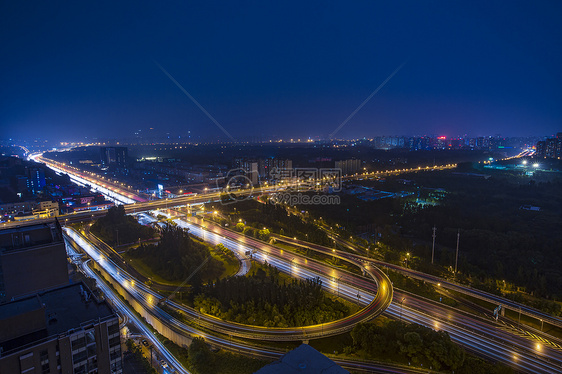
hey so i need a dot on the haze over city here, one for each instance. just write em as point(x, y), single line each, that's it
point(287, 70)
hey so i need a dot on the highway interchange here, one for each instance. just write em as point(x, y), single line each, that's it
point(476, 334)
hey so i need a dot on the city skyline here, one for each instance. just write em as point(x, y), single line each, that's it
point(280, 71)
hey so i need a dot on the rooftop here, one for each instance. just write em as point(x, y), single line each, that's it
point(66, 308)
point(30, 234)
point(302, 360)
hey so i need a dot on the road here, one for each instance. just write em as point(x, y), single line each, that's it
point(123, 310)
point(475, 334)
point(151, 306)
point(451, 285)
point(381, 173)
point(307, 270)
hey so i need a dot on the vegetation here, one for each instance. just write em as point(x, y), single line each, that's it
point(139, 357)
point(498, 240)
point(177, 256)
point(262, 299)
point(254, 216)
point(199, 359)
point(416, 345)
point(118, 228)
point(419, 287)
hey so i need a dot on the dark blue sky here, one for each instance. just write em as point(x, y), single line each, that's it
point(291, 69)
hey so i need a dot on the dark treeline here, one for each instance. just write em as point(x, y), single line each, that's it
point(178, 256)
point(419, 345)
point(117, 225)
point(497, 238)
point(263, 299)
point(275, 218)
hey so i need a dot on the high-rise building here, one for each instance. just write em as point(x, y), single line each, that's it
point(61, 330)
point(114, 156)
point(550, 147)
point(540, 149)
point(348, 166)
point(35, 180)
point(267, 165)
point(248, 167)
point(32, 258)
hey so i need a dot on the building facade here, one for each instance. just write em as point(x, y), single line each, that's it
point(32, 258)
point(63, 330)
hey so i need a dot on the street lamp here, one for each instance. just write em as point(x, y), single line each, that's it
point(338, 284)
point(292, 266)
point(401, 302)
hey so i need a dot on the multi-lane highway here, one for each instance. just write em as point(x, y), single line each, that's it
point(444, 283)
point(122, 309)
point(150, 304)
point(476, 334)
point(304, 268)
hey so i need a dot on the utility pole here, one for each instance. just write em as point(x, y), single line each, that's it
point(457, 256)
point(433, 248)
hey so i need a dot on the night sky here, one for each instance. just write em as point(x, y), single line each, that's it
point(70, 70)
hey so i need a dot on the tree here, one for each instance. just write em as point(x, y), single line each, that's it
point(200, 356)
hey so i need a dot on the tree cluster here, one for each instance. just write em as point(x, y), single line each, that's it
point(263, 299)
point(201, 359)
point(417, 343)
point(498, 240)
point(116, 224)
point(275, 217)
point(136, 351)
point(177, 256)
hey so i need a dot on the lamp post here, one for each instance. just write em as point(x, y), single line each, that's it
point(338, 284)
point(401, 302)
point(457, 255)
point(433, 247)
point(292, 266)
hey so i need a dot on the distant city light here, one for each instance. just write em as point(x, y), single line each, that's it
point(535, 165)
point(524, 162)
